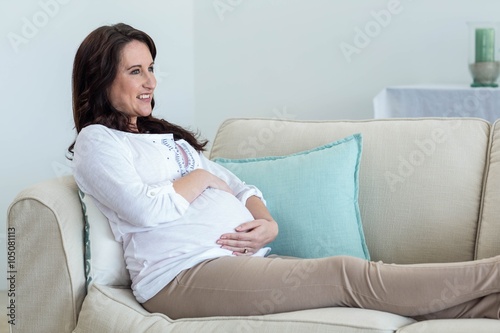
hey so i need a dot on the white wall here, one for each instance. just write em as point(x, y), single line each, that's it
point(219, 59)
point(258, 57)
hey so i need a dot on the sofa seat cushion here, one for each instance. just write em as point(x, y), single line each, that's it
point(453, 326)
point(111, 309)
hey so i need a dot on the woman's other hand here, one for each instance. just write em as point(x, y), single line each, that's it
point(193, 184)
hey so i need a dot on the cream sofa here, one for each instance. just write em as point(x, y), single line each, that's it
point(429, 192)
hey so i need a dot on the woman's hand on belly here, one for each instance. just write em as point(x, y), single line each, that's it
point(249, 237)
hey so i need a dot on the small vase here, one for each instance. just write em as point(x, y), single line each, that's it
point(484, 43)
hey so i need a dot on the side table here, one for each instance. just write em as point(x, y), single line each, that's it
point(437, 101)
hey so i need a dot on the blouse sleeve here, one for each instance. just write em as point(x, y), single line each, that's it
point(241, 190)
point(104, 168)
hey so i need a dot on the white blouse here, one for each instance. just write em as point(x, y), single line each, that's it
point(130, 177)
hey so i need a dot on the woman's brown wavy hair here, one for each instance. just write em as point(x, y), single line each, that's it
point(94, 70)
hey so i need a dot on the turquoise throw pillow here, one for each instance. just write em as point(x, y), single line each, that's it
point(313, 195)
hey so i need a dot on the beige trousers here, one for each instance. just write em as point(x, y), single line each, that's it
point(231, 286)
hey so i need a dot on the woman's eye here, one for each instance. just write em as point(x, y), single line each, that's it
point(151, 69)
point(135, 71)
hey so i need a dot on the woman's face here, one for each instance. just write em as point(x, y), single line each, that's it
point(132, 89)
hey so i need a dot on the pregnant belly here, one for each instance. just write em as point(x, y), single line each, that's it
point(215, 212)
point(212, 214)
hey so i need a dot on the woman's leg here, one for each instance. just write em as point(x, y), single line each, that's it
point(230, 286)
point(487, 307)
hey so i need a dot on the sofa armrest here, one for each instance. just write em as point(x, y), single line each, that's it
point(47, 279)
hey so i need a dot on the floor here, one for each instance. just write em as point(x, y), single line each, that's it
point(3, 319)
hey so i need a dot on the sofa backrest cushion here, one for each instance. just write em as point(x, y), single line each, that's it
point(420, 179)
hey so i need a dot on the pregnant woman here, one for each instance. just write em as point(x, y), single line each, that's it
point(194, 235)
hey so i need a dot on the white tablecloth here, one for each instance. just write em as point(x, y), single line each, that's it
point(437, 101)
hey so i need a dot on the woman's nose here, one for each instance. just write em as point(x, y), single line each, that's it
point(150, 81)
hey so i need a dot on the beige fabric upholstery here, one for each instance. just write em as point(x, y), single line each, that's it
point(50, 279)
point(108, 309)
point(455, 326)
point(420, 180)
point(488, 243)
point(421, 198)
